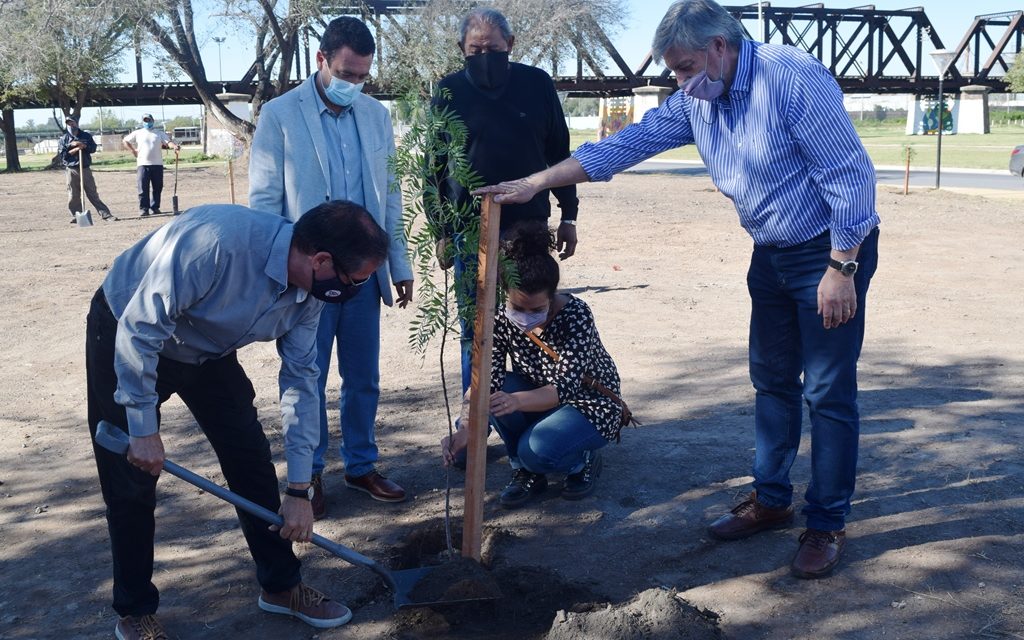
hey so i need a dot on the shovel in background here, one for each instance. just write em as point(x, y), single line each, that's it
point(84, 217)
point(401, 583)
point(174, 198)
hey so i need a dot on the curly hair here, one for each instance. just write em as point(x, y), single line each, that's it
point(529, 245)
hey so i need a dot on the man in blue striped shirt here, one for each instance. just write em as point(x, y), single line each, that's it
point(770, 125)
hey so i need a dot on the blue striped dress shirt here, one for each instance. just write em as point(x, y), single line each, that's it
point(779, 144)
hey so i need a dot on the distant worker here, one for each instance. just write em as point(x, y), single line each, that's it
point(146, 144)
point(75, 150)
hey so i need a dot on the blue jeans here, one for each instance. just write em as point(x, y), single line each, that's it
point(354, 325)
point(550, 441)
point(467, 294)
point(787, 338)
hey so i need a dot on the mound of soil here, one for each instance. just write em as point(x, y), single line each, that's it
point(655, 614)
point(522, 601)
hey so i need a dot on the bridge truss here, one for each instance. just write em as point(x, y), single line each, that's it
point(868, 50)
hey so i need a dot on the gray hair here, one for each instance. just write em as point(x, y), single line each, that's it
point(691, 24)
point(489, 17)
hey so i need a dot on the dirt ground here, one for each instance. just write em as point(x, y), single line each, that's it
point(936, 538)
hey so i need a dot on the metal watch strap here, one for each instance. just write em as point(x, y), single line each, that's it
point(572, 222)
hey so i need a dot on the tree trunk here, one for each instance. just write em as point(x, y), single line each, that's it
point(11, 141)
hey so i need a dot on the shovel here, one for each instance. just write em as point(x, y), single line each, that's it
point(83, 218)
point(174, 198)
point(401, 583)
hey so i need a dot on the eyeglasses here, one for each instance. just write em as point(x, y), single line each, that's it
point(352, 282)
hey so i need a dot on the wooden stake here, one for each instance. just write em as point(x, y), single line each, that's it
point(480, 386)
point(906, 175)
point(231, 181)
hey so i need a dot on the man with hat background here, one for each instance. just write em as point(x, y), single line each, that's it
point(75, 150)
point(146, 144)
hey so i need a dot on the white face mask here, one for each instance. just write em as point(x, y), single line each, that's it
point(527, 320)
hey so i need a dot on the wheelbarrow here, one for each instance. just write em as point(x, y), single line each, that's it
point(402, 583)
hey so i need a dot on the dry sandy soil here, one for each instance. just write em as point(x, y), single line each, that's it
point(936, 542)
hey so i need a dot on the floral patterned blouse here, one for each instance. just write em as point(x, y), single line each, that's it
point(571, 334)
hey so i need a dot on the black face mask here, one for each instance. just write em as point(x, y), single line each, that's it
point(333, 290)
point(488, 70)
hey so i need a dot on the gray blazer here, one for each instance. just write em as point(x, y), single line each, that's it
point(288, 168)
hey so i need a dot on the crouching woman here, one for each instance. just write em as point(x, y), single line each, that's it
point(560, 402)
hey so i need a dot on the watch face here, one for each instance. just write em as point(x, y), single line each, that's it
point(849, 268)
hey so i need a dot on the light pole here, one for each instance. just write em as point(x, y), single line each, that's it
point(220, 69)
point(942, 58)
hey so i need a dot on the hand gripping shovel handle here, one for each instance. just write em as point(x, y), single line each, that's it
point(113, 439)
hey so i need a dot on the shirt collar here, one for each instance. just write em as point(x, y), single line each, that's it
point(277, 262)
point(744, 67)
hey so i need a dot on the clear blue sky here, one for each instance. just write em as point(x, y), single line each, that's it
point(951, 21)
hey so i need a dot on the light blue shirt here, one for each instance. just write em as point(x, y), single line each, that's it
point(344, 152)
point(779, 145)
point(202, 287)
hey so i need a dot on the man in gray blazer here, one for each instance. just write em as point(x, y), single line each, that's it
point(326, 140)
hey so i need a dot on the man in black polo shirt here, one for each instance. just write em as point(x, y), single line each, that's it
point(516, 126)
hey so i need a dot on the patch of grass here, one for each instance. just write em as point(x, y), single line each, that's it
point(118, 160)
point(886, 142)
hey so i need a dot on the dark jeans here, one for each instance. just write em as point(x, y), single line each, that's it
point(146, 176)
point(787, 339)
point(220, 396)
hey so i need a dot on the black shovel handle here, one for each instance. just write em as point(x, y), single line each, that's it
point(113, 439)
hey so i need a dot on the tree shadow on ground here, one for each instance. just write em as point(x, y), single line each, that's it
point(937, 513)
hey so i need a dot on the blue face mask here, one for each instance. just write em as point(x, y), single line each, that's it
point(148, 125)
point(342, 92)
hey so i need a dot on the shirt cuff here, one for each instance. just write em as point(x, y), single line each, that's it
point(590, 157)
point(569, 209)
point(142, 421)
point(300, 467)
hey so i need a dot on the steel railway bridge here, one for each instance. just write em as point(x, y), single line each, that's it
point(868, 51)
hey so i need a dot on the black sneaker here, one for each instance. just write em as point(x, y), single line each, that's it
point(581, 484)
point(155, 211)
point(143, 213)
point(523, 486)
point(74, 220)
point(106, 215)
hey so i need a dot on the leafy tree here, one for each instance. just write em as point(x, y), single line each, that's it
point(59, 50)
point(1015, 75)
point(576, 107)
point(170, 26)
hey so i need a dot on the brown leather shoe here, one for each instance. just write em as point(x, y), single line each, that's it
point(749, 517)
point(819, 553)
point(379, 487)
point(319, 501)
point(139, 628)
point(306, 604)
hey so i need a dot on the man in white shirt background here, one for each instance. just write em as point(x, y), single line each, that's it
point(146, 144)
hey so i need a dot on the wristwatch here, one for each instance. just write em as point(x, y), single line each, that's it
point(572, 222)
point(846, 267)
point(306, 493)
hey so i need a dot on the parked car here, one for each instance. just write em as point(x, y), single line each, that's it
point(1017, 161)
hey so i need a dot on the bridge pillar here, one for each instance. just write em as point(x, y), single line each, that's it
point(647, 98)
point(973, 116)
point(922, 115)
point(219, 141)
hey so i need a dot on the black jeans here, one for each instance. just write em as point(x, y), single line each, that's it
point(220, 396)
point(146, 176)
